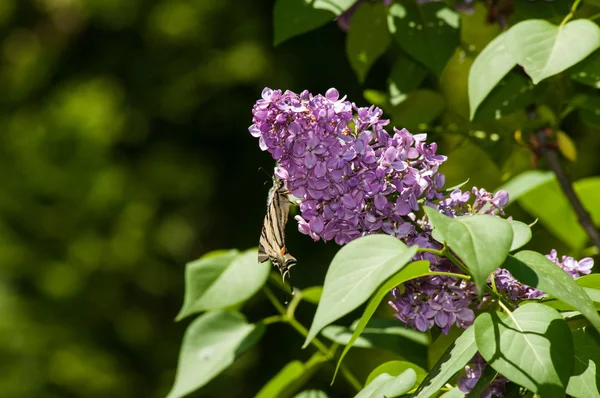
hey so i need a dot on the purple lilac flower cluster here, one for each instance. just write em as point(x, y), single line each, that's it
point(474, 371)
point(351, 176)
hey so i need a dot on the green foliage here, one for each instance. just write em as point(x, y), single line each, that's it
point(219, 281)
point(354, 274)
point(481, 241)
point(525, 347)
point(211, 343)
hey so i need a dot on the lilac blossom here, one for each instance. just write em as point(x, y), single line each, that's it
point(351, 176)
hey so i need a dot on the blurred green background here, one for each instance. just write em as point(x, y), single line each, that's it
point(124, 154)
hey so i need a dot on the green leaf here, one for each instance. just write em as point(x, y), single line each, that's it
point(521, 234)
point(544, 49)
point(291, 377)
point(405, 77)
point(294, 17)
point(411, 271)
point(354, 274)
point(312, 294)
point(386, 385)
point(549, 204)
point(531, 347)
point(490, 66)
point(481, 241)
point(588, 70)
point(535, 270)
point(311, 394)
point(220, 281)
point(420, 108)
point(454, 393)
point(513, 93)
point(368, 37)
point(211, 343)
point(428, 32)
point(454, 359)
point(526, 182)
point(590, 285)
point(395, 368)
point(585, 382)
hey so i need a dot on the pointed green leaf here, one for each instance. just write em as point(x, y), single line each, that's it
point(490, 66)
point(294, 17)
point(354, 274)
point(544, 49)
point(481, 241)
point(211, 343)
point(386, 385)
point(221, 281)
point(396, 368)
point(454, 359)
point(368, 37)
point(427, 32)
point(526, 182)
point(585, 382)
point(411, 271)
point(312, 294)
point(535, 270)
point(521, 234)
point(531, 347)
point(291, 377)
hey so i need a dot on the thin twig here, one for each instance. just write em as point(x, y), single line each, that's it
point(554, 163)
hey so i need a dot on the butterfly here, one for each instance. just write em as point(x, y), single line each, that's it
point(271, 245)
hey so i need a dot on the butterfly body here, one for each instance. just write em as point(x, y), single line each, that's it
point(271, 245)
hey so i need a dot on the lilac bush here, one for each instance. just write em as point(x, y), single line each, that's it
point(353, 178)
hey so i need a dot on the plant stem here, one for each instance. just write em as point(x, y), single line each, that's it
point(583, 217)
point(570, 14)
point(595, 16)
point(287, 315)
point(273, 319)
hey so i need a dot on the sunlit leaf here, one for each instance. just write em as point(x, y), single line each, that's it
point(535, 270)
point(427, 32)
point(222, 281)
point(482, 241)
point(490, 66)
point(386, 385)
point(521, 234)
point(566, 146)
point(291, 377)
point(368, 37)
point(454, 359)
point(585, 381)
point(411, 271)
point(544, 49)
point(525, 182)
point(354, 274)
point(211, 343)
point(531, 347)
point(395, 368)
point(294, 17)
point(312, 294)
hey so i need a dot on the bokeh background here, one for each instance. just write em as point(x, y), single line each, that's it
point(124, 154)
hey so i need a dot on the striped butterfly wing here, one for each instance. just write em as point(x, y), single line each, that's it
point(271, 245)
